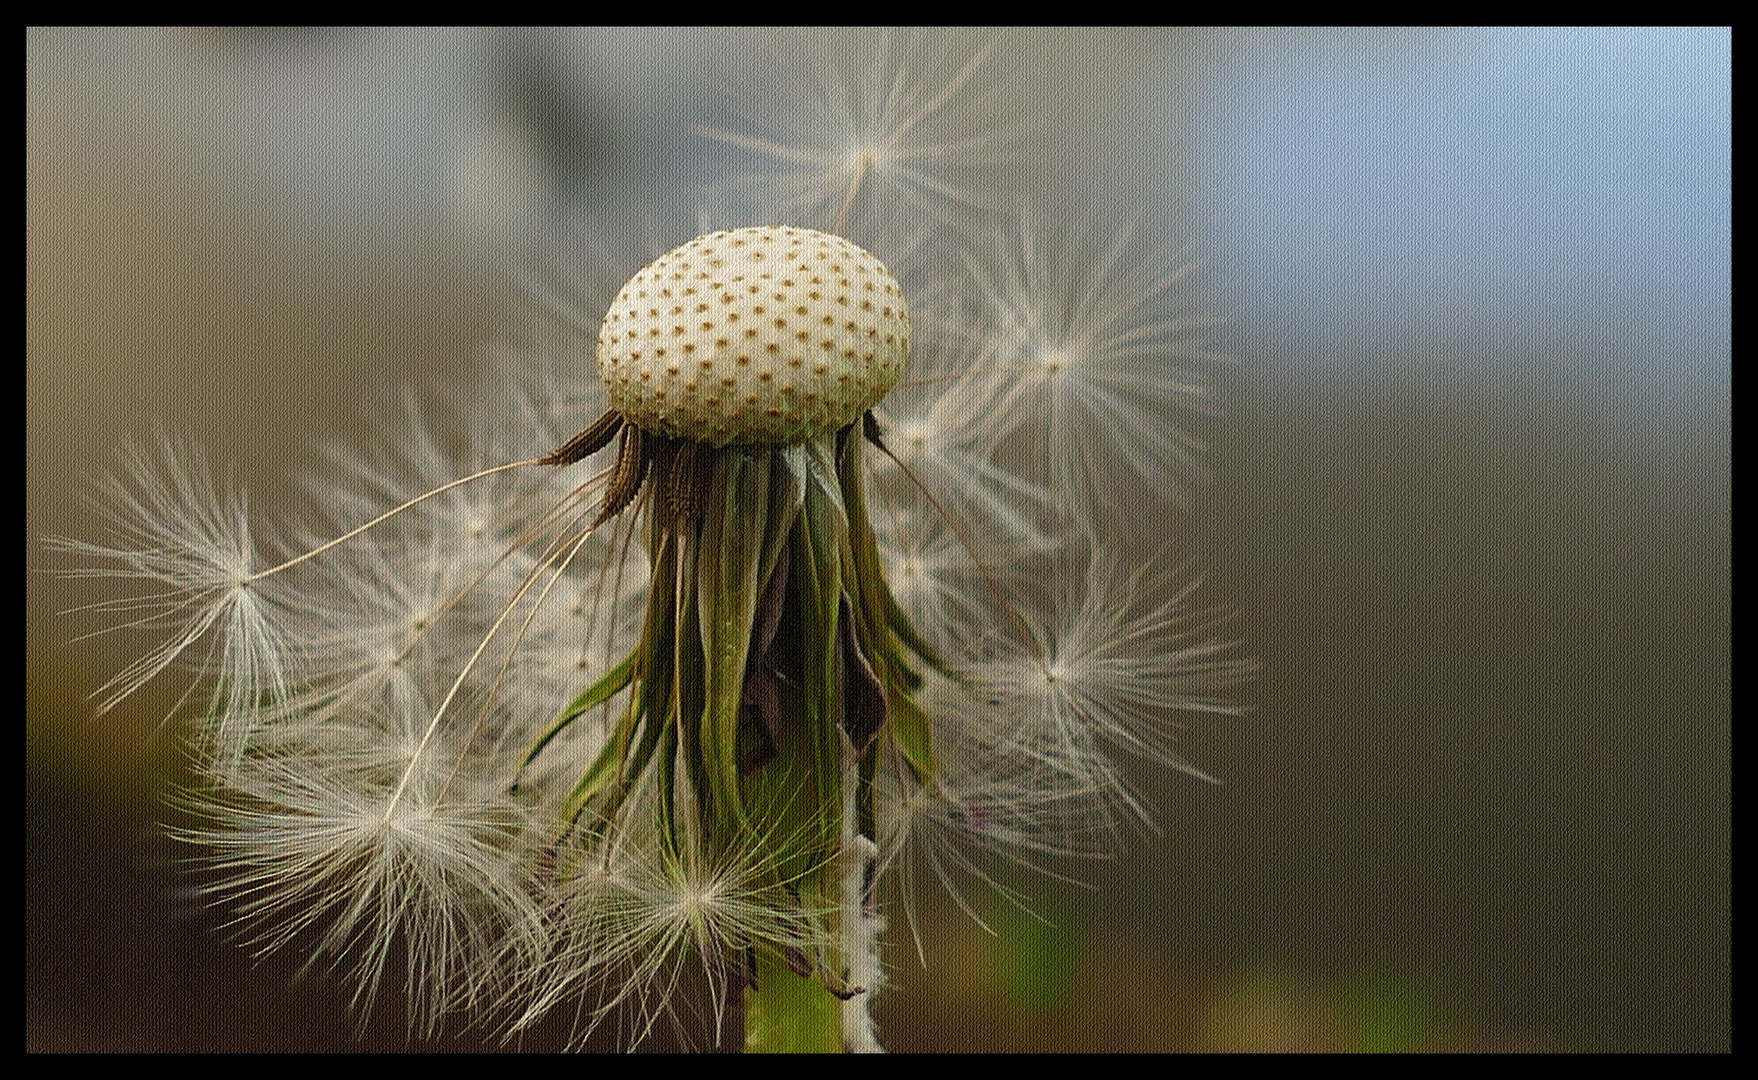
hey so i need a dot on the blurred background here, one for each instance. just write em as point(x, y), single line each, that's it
point(1470, 492)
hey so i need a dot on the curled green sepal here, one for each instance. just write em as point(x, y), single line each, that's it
point(728, 589)
point(612, 683)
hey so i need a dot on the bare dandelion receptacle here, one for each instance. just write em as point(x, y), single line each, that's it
point(757, 335)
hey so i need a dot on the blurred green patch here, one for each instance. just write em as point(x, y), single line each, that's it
point(1385, 1014)
point(1032, 958)
point(1271, 1009)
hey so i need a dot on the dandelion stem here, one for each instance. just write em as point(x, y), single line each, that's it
point(787, 1013)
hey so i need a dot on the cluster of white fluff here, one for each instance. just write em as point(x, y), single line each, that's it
point(372, 683)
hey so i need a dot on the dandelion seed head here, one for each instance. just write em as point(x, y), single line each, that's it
point(624, 927)
point(1108, 671)
point(373, 868)
point(1107, 362)
point(190, 558)
point(911, 136)
point(551, 729)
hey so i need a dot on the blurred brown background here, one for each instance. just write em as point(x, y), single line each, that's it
point(1470, 500)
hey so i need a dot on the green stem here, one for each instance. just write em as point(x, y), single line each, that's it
point(787, 1014)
